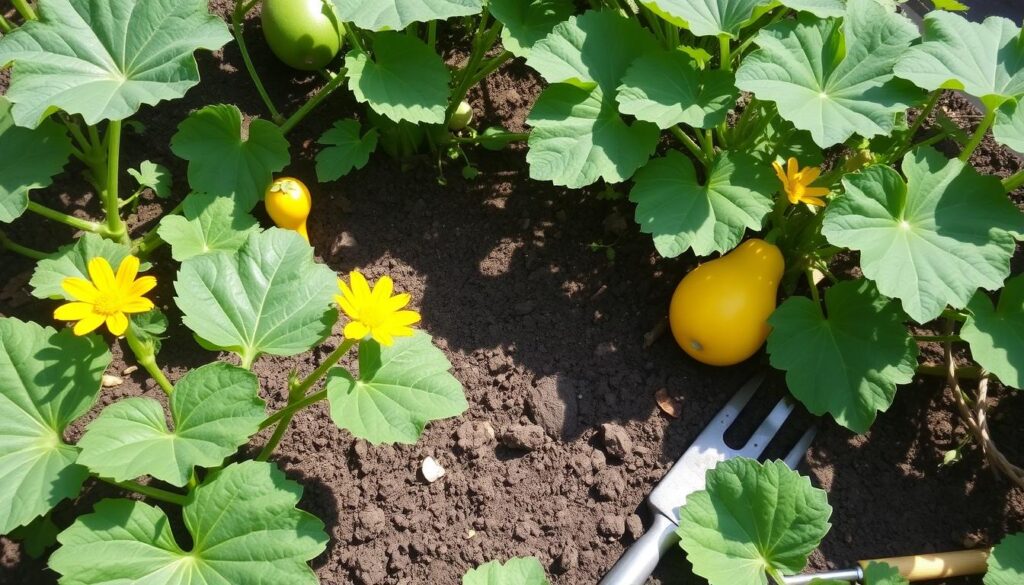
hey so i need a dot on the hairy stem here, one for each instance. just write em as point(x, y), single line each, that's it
point(237, 18)
point(149, 491)
point(7, 244)
point(68, 220)
point(979, 134)
point(302, 387)
point(147, 359)
point(336, 81)
point(688, 142)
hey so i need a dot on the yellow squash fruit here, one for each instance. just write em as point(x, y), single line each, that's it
point(719, 312)
point(288, 204)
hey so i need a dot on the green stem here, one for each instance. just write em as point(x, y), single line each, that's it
point(144, 246)
point(7, 244)
point(1013, 182)
point(968, 372)
point(336, 81)
point(979, 134)
point(936, 338)
point(302, 387)
point(432, 34)
point(134, 196)
point(68, 220)
point(25, 9)
point(149, 491)
point(5, 25)
point(146, 356)
point(954, 314)
point(483, 40)
point(291, 409)
point(814, 288)
point(490, 66)
point(724, 53)
point(929, 105)
point(689, 144)
point(709, 144)
point(509, 136)
point(353, 37)
point(237, 16)
point(116, 229)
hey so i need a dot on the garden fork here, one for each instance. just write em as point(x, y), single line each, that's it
point(687, 477)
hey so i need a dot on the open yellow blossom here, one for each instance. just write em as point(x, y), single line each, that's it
point(108, 298)
point(796, 182)
point(375, 312)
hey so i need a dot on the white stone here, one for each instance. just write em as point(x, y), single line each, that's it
point(431, 469)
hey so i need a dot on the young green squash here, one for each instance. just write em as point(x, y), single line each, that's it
point(304, 34)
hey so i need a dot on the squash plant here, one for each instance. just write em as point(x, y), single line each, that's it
point(723, 113)
point(79, 70)
point(392, 65)
point(757, 523)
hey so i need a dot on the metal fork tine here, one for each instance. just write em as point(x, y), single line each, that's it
point(769, 427)
point(735, 405)
point(796, 454)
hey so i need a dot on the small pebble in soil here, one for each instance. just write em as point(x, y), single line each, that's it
point(616, 441)
point(524, 437)
point(634, 526)
point(473, 435)
point(431, 470)
point(109, 381)
point(568, 559)
point(611, 526)
point(553, 405)
point(609, 484)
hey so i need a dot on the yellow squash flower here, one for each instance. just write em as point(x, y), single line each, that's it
point(108, 298)
point(796, 182)
point(375, 312)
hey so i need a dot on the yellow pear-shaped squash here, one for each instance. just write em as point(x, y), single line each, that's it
point(719, 312)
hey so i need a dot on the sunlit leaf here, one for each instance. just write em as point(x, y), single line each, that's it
point(153, 176)
point(528, 21)
point(996, 334)
point(398, 14)
point(208, 224)
point(517, 571)
point(404, 80)
point(346, 149)
point(1006, 563)
point(707, 18)
point(668, 88)
point(72, 261)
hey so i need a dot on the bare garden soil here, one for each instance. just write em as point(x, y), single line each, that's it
point(548, 337)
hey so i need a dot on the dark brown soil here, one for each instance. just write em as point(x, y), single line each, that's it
point(542, 331)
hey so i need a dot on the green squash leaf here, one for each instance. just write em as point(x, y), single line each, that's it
point(72, 260)
point(29, 159)
point(528, 21)
point(270, 297)
point(1008, 128)
point(244, 527)
point(149, 328)
point(153, 176)
point(210, 224)
point(819, 8)
point(709, 18)
point(399, 390)
point(104, 59)
point(221, 162)
point(996, 334)
point(848, 360)
point(951, 5)
point(749, 517)
point(346, 150)
point(578, 136)
point(1006, 563)
point(215, 409)
point(833, 78)
point(405, 80)
point(682, 214)
point(985, 60)
point(517, 571)
point(931, 241)
point(47, 380)
point(882, 574)
point(668, 88)
point(380, 15)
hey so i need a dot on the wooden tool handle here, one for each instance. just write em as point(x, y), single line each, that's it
point(938, 565)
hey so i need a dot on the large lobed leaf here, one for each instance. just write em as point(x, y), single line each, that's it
point(347, 148)
point(215, 408)
point(932, 240)
point(847, 359)
point(222, 162)
point(517, 571)
point(681, 213)
point(708, 18)
point(833, 78)
point(29, 159)
point(244, 528)
point(209, 224)
point(104, 59)
point(269, 297)
point(578, 136)
point(996, 334)
point(749, 517)
point(381, 15)
point(404, 80)
point(47, 380)
point(667, 88)
point(528, 21)
point(399, 390)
